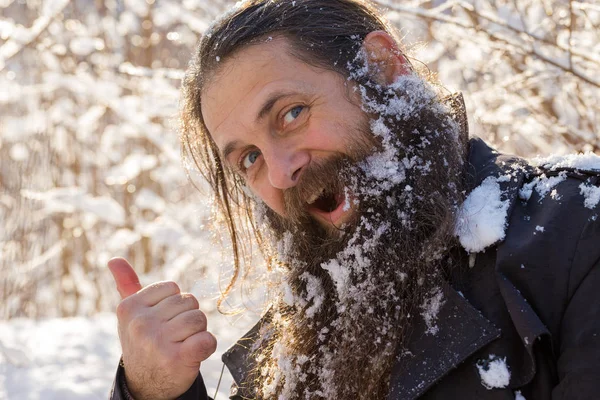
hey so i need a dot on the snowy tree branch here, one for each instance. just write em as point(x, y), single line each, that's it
point(433, 15)
point(15, 45)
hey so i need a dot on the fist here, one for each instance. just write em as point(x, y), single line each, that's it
point(163, 335)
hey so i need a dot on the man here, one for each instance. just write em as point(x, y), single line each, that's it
point(411, 262)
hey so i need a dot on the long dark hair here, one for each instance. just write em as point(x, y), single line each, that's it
point(323, 33)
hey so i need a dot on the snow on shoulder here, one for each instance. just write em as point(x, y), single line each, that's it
point(481, 218)
point(584, 162)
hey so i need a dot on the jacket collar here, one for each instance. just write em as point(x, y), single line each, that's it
point(428, 357)
point(238, 358)
point(461, 332)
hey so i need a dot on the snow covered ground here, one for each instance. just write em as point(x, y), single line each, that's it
point(76, 358)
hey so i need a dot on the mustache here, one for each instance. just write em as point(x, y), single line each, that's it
point(332, 174)
point(328, 175)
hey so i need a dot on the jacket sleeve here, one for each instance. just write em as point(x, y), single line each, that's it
point(119, 389)
point(579, 352)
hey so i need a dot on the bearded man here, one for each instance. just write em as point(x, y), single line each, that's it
point(412, 261)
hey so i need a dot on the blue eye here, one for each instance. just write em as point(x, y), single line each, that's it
point(250, 158)
point(291, 115)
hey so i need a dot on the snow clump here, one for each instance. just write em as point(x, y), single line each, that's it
point(591, 194)
point(482, 217)
point(494, 372)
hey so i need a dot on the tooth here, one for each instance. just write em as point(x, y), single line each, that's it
point(315, 196)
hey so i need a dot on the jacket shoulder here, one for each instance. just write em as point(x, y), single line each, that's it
point(552, 235)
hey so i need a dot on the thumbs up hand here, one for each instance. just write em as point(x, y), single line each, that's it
point(163, 335)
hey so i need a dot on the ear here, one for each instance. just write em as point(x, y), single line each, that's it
point(385, 60)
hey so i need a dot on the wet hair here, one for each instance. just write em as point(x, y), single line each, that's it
point(323, 33)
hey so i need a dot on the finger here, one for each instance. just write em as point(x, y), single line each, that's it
point(153, 294)
point(176, 304)
point(125, 277)
point(198, 348)
point(185, 325)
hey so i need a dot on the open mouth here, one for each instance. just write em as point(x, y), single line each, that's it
point(327, 204)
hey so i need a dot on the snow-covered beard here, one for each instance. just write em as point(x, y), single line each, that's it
point(349, 293)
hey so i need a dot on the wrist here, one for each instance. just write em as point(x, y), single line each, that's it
point(123, 382)
point(133, 391)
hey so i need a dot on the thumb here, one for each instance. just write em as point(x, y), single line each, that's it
point(125, 277)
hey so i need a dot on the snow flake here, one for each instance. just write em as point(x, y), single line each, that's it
point(482, 217)
point(543, 185)
point(315, 293)
point(430, 310)
point(504, 178)
point(526, 191)
point(284, 246)
point(591, 194)
point(339, 274)
point(287, 294)
point(494, 372)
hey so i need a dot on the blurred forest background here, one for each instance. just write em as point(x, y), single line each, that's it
point(89, 154)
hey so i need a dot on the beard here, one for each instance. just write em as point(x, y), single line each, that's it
point(349, 293)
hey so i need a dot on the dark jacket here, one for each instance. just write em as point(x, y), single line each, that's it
point(532, 299)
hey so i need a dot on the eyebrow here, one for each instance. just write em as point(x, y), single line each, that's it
point(229, 148)
point(262, 113)
point(270, 102)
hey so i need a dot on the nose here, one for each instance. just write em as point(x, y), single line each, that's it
point(285, 166)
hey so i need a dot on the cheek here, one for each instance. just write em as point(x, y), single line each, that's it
point(329, 136)
point(272, 197)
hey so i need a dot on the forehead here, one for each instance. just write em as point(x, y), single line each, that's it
point(233, 96)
